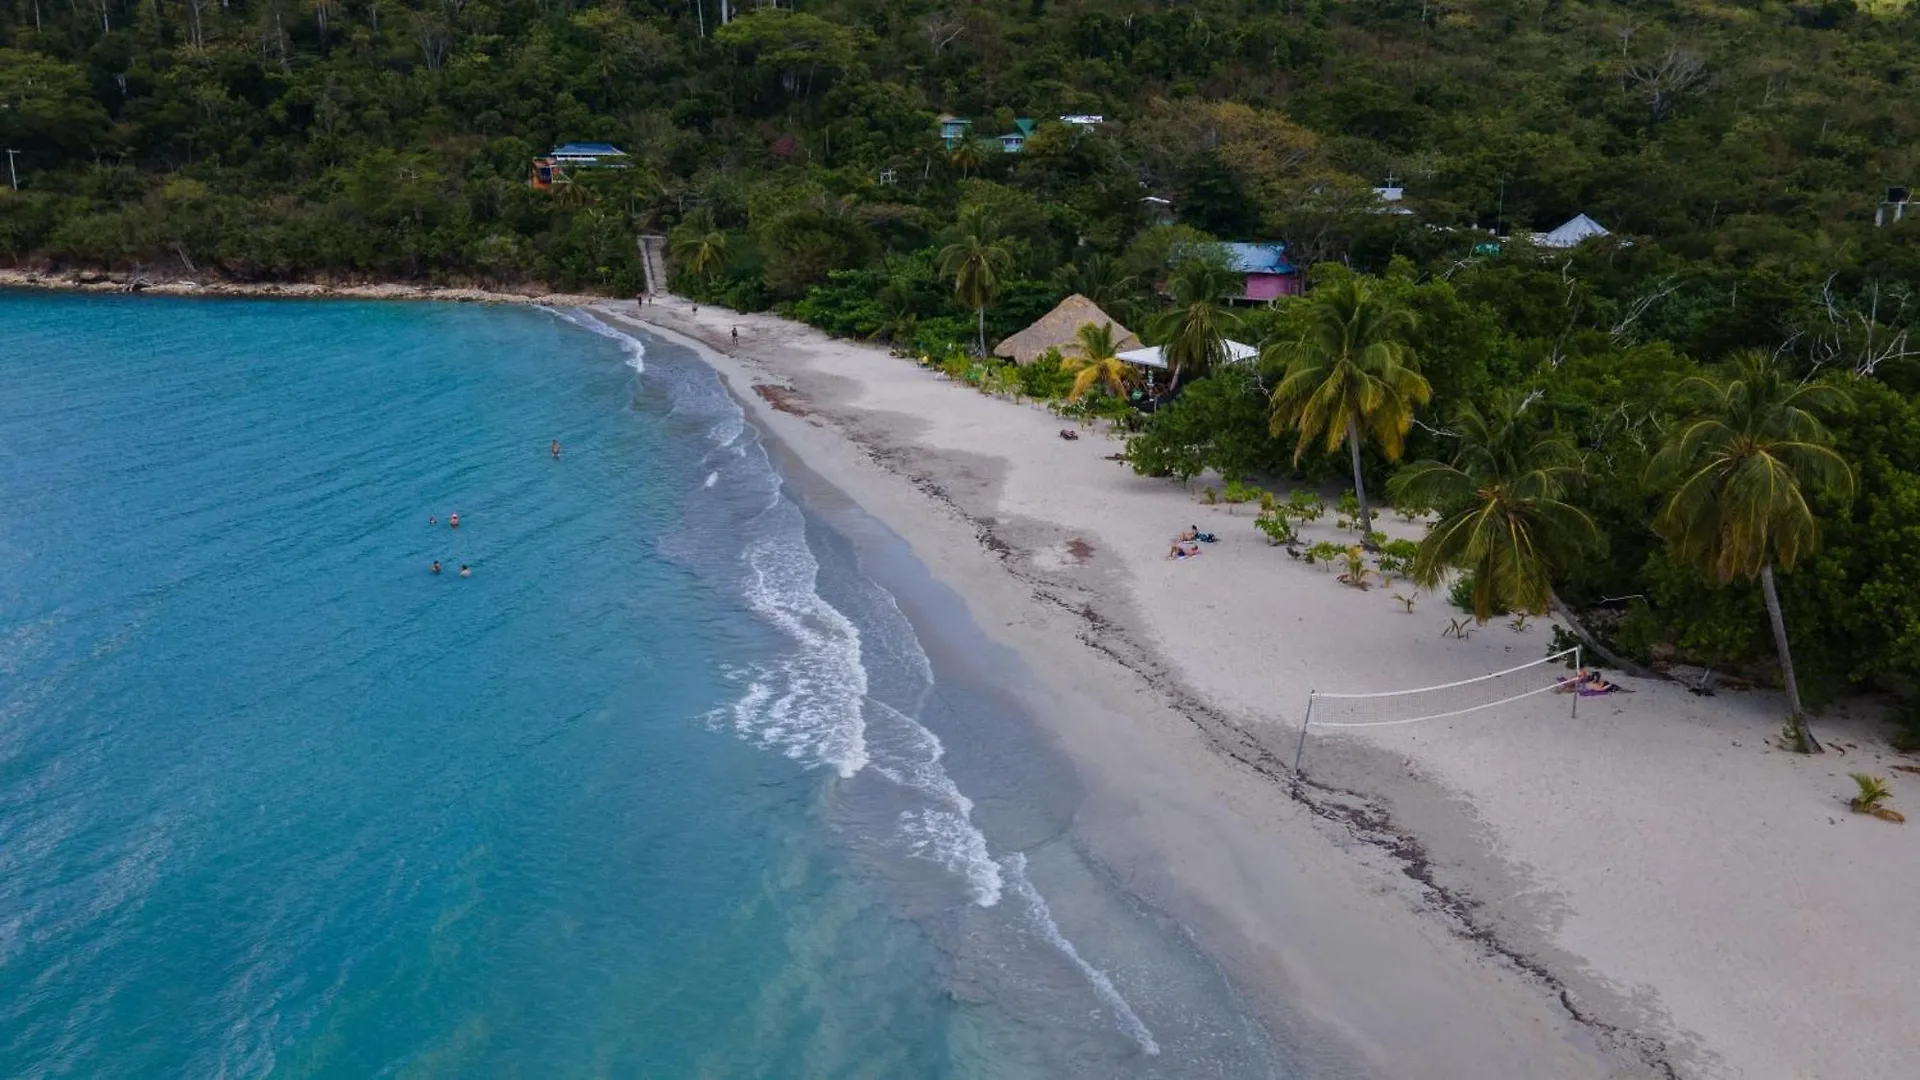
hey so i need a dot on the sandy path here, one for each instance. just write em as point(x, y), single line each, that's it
point(1653, 866)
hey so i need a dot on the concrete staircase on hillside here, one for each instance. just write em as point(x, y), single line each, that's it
point(653, 262)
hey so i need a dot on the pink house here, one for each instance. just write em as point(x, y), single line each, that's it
point(1269, 274)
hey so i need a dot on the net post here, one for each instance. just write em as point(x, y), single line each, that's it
point(1301, 747)
point(1577, 669)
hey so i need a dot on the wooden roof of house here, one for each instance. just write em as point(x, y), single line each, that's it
point(1060, 328)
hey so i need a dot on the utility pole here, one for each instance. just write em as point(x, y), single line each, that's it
point(11, 173)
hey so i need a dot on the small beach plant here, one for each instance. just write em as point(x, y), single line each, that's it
point(1355, 570)
point(1238, 492)
point(1278, 529)
point(1305, 506)
point(1406, 601)
point(1396, 558)
point(1208, 496)
point(1872, 793)
point(1326, 551)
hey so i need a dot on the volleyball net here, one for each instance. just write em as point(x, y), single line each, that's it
point(1331, 711)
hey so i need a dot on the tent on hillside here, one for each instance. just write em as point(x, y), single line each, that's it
point(1152, 357)
point(1060, 329)
point(1579, 227)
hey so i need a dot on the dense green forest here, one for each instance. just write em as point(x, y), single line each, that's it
point(1738, 152)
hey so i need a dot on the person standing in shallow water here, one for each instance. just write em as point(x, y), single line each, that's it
point(453, 521)
point(465, 570)
point(556, 449)
point(436, 567)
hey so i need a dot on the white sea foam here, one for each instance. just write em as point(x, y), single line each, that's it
point(712, 479)
point(636, 350)
point(1042, 923)
point(807, 704)
point(944, 832)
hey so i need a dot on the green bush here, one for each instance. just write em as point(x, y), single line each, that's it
point(1396, 557)
point(1460, 595)
point(1044, 380)
point(1304, 505)
point(1278, 529)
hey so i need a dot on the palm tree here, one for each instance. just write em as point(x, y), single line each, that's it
point(1503, 519)
point(976, 259)
point(1193, 332)
point(1350, 375)
point(1097, 277)
point(1095, 364)
point(1737, 476)
point(969, 154)
point(699, 247)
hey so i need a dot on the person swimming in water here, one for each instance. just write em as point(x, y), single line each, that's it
point(436, 566)
point(453, 521)
point(431, 520)
point(465, 570)
point(555, 448)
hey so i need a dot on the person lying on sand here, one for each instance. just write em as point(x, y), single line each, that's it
point(1193, 533)
point(1183, 551)
point(1588, 684)
point(1069, 434)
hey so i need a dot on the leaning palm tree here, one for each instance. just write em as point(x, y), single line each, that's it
point(699, 248)
point(1193, 332)
point(1503, 519)
point(977, 258)
point(1737, 475)
point(1350, 376)
point(1094, 363)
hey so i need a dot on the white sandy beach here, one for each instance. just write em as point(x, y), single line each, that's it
point(1648, 890)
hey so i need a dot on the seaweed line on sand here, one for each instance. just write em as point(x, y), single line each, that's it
point(1364, 818)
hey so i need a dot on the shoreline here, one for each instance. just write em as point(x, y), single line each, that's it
point(1235, 841)
point(140, 285)
point(1609, 888)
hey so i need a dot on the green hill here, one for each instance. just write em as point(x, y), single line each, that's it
point(1737, 153)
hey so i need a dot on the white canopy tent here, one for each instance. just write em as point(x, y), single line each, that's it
point(1153, 358)
point(1580, 227)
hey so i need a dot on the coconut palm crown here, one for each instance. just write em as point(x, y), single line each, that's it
point(1350, 375)
point(976, 259)
point(1504, 519)
point(1735, 477)
point(1193, 332)
point(1094, 362)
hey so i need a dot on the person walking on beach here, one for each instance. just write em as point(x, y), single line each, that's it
point(556, 449)
point(736, 337)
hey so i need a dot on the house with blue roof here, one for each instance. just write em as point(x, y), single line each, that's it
point(576, 155)
point(1269, 273)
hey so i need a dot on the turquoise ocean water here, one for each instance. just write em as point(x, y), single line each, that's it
point(670, 787)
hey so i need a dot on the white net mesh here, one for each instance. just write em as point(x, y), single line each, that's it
point(1392, 708)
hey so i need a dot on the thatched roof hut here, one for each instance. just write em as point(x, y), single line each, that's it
point(1060, 329)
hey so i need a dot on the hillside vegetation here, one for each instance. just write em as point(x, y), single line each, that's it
point(1737, 151)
